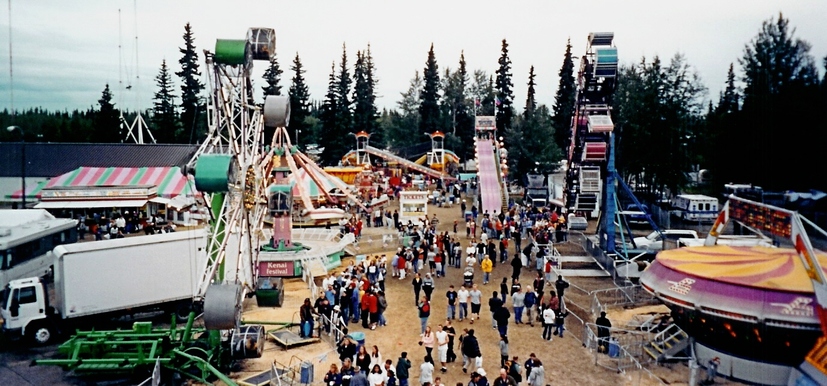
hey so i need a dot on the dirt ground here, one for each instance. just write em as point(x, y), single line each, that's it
point(565, 360)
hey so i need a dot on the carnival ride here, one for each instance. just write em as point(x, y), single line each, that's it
point(242, 182)
point(492, 166)
point(591, 125)
point(490, 186)
point(438, 158)
point(361, 157)
point(761, 310)
point(593, 187)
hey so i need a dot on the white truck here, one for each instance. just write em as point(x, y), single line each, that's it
point(107, 279)
point(695, 207)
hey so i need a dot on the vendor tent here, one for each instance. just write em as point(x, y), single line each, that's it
point(168, 180)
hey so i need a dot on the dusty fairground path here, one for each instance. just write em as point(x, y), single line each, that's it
point(566, 361)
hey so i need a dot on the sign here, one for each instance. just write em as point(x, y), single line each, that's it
point(99, 192)
point(761, 217)
point(413, 196)
point(276, 268)
point(486, 122)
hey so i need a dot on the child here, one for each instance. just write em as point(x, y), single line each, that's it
point(391, 379)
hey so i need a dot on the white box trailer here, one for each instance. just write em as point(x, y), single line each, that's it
point(106, 279)
point(103, 276)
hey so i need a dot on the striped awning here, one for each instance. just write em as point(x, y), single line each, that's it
point(168, 181)
point(32, 191)
point(309, 185)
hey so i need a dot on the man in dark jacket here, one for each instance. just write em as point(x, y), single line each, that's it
point(402, 367)
point(470, 350)
point(494, 304)
point(516, 266)
point(501, 315)
point(561, 286)
point(504, 379)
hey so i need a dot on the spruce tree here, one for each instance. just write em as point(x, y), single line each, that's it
point(362, 111)
point(272, 77)
point(344, 115)
point(530, 100)
point(464, 122)
point(504, 91)
point(299, 101)
point(164, 115)
point(377, 134)
point(330, 139)
point(107, 120)
point(730, 99)
point(780, 82)
point(564, 99)
point(193, 113)
point(429, 107)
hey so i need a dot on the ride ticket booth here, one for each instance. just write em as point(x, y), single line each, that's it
point(413, 205)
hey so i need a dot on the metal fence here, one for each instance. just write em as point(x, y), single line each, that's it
point(620, 297)
point(625, 355)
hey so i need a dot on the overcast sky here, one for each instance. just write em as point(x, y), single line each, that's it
point(64, 52)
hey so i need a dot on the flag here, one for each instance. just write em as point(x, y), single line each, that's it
point(497, 101)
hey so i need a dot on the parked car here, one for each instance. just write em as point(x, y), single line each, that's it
point(654, 241)
point(637, 214)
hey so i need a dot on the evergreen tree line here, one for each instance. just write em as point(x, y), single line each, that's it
point(767, 127)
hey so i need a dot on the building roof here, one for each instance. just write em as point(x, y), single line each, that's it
point(54, 159)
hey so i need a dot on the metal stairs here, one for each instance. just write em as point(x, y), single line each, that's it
point(669, 344)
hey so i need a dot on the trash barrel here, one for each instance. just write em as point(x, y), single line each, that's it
point(270, 292)
point(469, 216)
point(614, 348)
point(359, 337)
point(306, 373)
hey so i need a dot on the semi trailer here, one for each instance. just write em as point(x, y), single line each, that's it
point(106, 279)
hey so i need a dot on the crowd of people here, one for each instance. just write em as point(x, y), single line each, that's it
point(357, 294)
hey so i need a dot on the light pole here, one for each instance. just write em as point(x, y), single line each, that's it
point(22, 162)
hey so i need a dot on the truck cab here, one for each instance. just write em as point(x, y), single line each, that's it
point(24, 307)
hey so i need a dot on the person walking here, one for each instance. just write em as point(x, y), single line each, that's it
point(417, 286)
point(561, 286)
point(603, 332)
point(427, 339)
point(462, 298)
point(428, 286)
point(548, 323)
point(518, 302)
point(476, 302)
point(537, 376)
point(403, 365)
point(424, 312)
point(451, 295)
point(470, 350)
point(486, 266)
point(426, 371)
point(501, 315)
point(442, 347)
point(504, 289)
point(503, 350)
point(516, 266)
point(559, 322)
point(493, 304)
point(449, 329)
point(504, 379)
point(529, 302)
